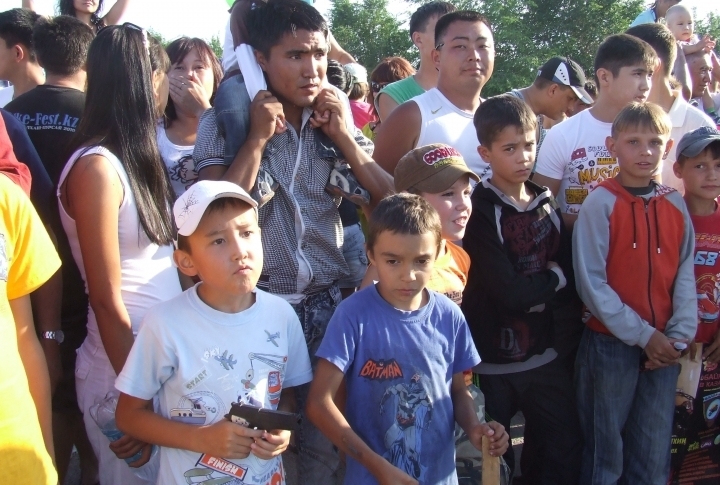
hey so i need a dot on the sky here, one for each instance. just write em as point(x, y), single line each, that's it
point(205, 18)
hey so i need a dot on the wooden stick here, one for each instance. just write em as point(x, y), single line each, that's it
point(490, 464)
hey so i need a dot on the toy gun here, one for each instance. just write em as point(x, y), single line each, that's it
point(261, 418)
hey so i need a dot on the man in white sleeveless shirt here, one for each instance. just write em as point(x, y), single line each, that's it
point(464, 56)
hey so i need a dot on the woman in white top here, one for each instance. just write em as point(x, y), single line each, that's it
point(195, 74)
point(115, 201)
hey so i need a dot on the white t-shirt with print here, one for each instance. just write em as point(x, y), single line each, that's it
point(179, 162)
point(198, 361)
point(574, 152)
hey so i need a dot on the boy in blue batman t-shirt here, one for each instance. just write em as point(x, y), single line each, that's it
point(402, 350)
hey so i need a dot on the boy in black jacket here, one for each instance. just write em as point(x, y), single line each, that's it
point(520, 252)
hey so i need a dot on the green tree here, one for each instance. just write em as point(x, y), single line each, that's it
point(709, 25)
point(216, 46)
point(529, 32)
point(369, 32)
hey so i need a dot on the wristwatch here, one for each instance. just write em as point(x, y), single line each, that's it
point(56, 335)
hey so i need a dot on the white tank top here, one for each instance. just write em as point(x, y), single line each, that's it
point(443, 122)
point(148, 275)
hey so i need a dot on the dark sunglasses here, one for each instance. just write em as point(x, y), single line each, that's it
point(376, 87)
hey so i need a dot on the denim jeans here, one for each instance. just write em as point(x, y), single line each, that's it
point(355, 256)
point(232, 112)
point(626, 415)
point(317, 460)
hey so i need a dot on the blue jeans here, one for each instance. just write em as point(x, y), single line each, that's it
point(625, 415)
point(317, 460)
point(355, 256)
point(232, 112)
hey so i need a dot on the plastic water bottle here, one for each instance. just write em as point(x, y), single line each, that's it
point(103, 413)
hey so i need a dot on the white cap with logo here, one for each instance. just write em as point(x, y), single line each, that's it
point(191, 206)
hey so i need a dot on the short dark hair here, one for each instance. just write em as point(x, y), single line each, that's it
point(542, 83)
point(642, 115)
point(16, 27)
point(269, 22)
point(176, 52)
point(183, 242)
point(404, 214)
point(447, 20)
point(622, 50)
point(421, 17)
point(497, 113)
point(62, 44)
point(713, 148)
point(661, 40)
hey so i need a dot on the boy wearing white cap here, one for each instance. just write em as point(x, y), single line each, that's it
point(219, 342)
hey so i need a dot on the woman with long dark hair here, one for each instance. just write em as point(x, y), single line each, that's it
point(195, 74)
point(115, 200)
point(88, 11)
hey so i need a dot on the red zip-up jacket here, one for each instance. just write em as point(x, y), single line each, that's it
point(633, 260)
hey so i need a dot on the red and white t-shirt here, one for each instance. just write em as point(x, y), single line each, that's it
point(707, 274)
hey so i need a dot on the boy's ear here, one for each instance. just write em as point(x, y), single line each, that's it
point(260, 58)
point(184, 262)
point(484, 152)
point(677, 170)
point(551, 90)
point(20, 52)
point(604, 77)
point(610, 144)
point(668, 146)
point(436, 58)
point(417, 39)
point(370, 255)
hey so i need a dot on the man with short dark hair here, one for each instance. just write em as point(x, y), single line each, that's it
point(18, 63)
point(302, 235)
point(422, 34)
point(50, 113)
point(464, 55)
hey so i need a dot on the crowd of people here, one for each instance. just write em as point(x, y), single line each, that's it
point(282, 266)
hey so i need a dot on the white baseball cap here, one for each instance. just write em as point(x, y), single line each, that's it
point(191, 206)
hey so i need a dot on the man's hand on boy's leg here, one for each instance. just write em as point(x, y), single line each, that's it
point(499, 439)
point(660, 351)
point(271, 444)
point(712, 351)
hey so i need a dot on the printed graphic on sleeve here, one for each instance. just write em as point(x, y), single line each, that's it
point(587, 168)
point(412, 409)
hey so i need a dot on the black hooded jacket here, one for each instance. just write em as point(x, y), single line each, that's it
point(507, 300)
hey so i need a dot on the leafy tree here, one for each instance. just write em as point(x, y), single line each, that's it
point(709, 25)
point(529, 32)
point(369, 32)
point(216, 46)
